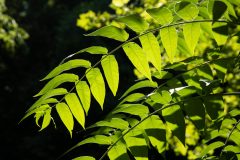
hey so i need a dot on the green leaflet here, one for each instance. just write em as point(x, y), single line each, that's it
point(138, 85)
point(133, 98)
point(136, 55)
point(84, 94)
point(186, 10)
point(66, 116)
point(155, 131)
point(119, 150)
point(196, 112)
point(213, 105)
point(67, 66)
point(163, 15)
point(169, 40)
point(111, 72)
point(152, 50)
point(76, 108)
point(220, 32)
point(46, 118)
point(97, 85)
point(134, 109)
point(56, 81)
point(113, 123)
point(210, 147)
point(175, 121)
point(137, 145)
point(97, 139)
point(84, 158)
point(164, 97)
point(135, 22)
point(111, 32)
point(95, 50)
point(191, 32)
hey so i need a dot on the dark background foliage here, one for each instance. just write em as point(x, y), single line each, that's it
point(53, 34)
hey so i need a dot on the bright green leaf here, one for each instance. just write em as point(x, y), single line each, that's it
point(152, 50)
point(138, 85)
point(111, 72)
point(84, 158)
point(138, 58)
point(163, 15)
point(134, 109)
point(46, 119)
point(220, 32)
point(95, 50)
point(67, 66)
point(210, 147)
point(133, 98)
point(66, 116)
point(191, 32)
point(169, 40)
point(162, 97)
point(37, 116)
point(111, 32)
point(175, 121)
point(135, 22)
point(97, 85)
point(186, 10)
point(84, 94)
point(113, 122)
point(76, 108)
point(56, 81)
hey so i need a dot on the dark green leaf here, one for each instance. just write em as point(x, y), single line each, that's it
point(213, 105)
point(217, 9)
point(111, 32)
point(220, 32)
point(175, 121)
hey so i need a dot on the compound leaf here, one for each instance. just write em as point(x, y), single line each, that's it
point(163, 15)
point(84, 94)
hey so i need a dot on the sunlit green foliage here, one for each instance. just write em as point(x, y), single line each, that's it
point(180, 102)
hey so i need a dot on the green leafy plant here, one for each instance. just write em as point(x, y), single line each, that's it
point(172, 98)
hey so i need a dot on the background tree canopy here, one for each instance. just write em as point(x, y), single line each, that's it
point(192, 64)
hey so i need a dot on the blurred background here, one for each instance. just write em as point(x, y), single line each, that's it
point(35, 35)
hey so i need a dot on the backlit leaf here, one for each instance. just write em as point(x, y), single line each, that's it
point(138, 85)
point(134, 109)
point(152, 50)
point(220, 32)
point(211, 146)
point(162, 97)
point(111, 32)
point(135, 22)
point(111, 72)
point(97, 85)
point(84, 94)
point(133, 98)
point(175, 121)
point(76, 108)
point(163, 15)
point(169, 40)
point(186, 10)
point(95, 50)
point(46, 119)
point(113, 122)
point(67, 66)
point(84, 158)
point(56, 81)
point(66, 116)
point(138, 58)
point(191, 32)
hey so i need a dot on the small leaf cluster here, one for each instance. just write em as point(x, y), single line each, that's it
point(171, 94)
